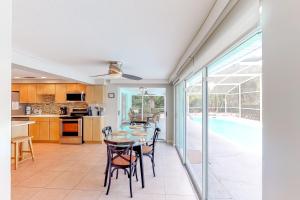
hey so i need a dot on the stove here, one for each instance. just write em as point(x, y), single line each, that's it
point(72, 127)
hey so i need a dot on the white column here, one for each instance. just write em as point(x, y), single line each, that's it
point(281, 99)
point(5, 86)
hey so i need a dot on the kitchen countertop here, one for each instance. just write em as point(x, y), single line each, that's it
point(42, 115)
point(21, 123)
point(93, 116)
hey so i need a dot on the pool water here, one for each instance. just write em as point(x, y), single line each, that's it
point(245, 133)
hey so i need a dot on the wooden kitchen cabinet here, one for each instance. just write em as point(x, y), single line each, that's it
point(60, 93)
point(31, 92)
point(96, 94)
point(75, 88)
point(15, 87)
point(27, 92)
point(23, 89)
point(44, 129)
point(34, 130)
point(97, 129)
point(54, 129)
point(93, 129)
point(46, 89)
point(87, 129)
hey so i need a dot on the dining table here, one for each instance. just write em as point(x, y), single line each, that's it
point(140, 134)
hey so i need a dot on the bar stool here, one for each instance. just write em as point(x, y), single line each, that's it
point(18, 146)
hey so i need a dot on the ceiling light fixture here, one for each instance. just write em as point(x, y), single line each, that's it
point(16, 77)
point(43, 77)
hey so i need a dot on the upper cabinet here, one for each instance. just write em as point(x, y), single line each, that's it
point(33, 93)
point(46, 89)
point(60, 93)
point(27, 92)
point(76, 88)
point(95, 94)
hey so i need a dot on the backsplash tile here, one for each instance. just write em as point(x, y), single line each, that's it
point(53, 108)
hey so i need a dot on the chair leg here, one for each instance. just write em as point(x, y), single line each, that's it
point(20, 151)
point(117, 176)
point(16, 155)
point(136, 174)
point(106, 174)
point(153, 165)
point(31, 148)
point(130, 181)
point(109, 180)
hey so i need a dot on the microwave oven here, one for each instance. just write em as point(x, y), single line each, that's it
point(75, 97)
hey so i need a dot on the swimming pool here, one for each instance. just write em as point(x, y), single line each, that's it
point(245, 133)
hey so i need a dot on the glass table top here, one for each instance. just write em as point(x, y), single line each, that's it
point(138, 134)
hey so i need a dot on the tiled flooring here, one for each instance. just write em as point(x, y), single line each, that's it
point(76, 172)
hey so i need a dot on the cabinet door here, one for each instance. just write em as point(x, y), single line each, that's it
point(44, 130)
point(99, 94)
point(81, 88)
point(23, 93)
point(72, 88)
point(60, 93)
point(89, 95)
point(87, 129)
point(31, 92)
point(45, 88)
point(54, 129)
point(34, 130)
point(15, 87)
point(97, 135)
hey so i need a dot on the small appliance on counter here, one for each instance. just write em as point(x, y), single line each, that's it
point(63, 110)
point(28, 110)
point(95, 110)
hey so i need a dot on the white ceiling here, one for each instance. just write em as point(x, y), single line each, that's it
point(148, 36)
point(23, 73)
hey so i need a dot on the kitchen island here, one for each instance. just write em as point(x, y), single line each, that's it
point(20, 128)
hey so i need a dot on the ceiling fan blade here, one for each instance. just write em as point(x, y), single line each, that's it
point(132, 77)
point(99, 75)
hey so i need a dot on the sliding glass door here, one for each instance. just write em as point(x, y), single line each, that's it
point(180, 119)
point(194, 150)
point(234, 119)
point(218, 125)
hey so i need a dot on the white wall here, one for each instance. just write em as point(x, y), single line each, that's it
point(281, 100)
point(111, 106)
point(5, 82)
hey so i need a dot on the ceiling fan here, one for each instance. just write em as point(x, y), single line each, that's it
point(115, 71)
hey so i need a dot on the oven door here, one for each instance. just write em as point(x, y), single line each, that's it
point(71, 131)
point(70, 128)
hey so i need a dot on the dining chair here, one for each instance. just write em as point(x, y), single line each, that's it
point(121, 158)
point(149, 149)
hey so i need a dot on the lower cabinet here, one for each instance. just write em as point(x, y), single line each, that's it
point(92, 129)
point(45, 129)
point(54, 129)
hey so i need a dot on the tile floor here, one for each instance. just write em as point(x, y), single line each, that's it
point(72, 172)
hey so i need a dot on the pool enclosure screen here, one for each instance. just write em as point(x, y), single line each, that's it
point(222, 135)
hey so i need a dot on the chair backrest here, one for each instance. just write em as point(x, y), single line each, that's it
point(155, 136)
point(106, 131)
point(119, 149)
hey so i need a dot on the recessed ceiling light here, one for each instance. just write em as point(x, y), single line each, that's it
point(43, 77)
point(16, 77)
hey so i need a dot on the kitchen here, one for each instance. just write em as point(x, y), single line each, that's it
point(66, 113)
